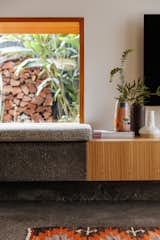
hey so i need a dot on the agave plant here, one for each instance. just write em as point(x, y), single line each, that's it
point(58, 57)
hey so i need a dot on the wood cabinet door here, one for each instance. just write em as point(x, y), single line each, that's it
point(123, 160)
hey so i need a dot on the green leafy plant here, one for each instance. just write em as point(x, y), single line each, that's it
point(137, 92)
point(122, 87)
point(130, 91)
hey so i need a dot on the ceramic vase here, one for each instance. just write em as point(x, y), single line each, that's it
point(137, 117)
point(122, 117)
point(150, 130)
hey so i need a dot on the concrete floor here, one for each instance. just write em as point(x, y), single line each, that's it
point(16, 217)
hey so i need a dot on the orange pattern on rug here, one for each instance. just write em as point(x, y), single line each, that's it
point(93, 233)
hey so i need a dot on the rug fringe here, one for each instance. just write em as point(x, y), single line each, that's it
point(28, 237)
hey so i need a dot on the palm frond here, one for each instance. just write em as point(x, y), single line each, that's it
point(28, 63)
point(9, 51)
point(45, 83)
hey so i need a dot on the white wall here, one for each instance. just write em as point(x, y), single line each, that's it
point(110, 27)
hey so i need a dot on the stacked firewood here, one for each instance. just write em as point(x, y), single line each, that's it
point(20, 102)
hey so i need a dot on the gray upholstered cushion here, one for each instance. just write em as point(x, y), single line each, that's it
point(56, 132)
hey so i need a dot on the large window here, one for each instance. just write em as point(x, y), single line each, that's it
point(41, 70)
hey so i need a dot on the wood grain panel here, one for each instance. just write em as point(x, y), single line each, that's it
point(112, 160)
point(40, 25)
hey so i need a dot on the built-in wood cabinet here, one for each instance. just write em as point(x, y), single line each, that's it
point(127, 159)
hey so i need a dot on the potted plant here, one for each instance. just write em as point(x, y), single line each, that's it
point(132, 96)
point(121, 118)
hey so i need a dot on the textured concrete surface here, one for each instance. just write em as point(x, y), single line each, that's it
point(42, 161)
point(68, 191)
point(16, 217)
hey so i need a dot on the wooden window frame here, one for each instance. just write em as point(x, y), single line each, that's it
point(74, 25)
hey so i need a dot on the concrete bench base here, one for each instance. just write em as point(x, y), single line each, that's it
point(43, 151)
point(42, 161)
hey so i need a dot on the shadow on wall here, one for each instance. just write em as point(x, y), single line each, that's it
point(134, 40)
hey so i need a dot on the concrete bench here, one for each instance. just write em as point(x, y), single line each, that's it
point(43, 152)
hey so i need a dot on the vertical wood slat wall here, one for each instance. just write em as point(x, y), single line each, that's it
point(123, 160)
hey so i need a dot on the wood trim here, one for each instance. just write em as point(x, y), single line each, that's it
point(81, 70)
point(40, 25)
point(42, 19)
point(123, 160)
point(72, 25)
point(136, 139)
